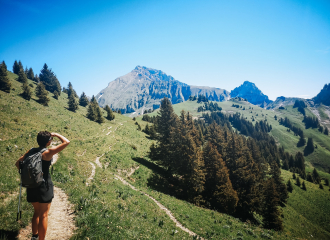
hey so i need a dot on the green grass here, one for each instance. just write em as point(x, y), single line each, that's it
point(107, 209)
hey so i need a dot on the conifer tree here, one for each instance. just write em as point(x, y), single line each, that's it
point(310, 146)
point(298, 183)
point(302, 141)
point(321, 186)
point(56, 95)
point(49, 79)
point(110, 115)
point(326, 182)
point(36, 78)
point(27, 92)
point(310, 178)
point(272, 214)
point(99, 117)
point(20, 65)
point(73, 104)
point(289, 186)
point(294, 176)
point(42, 94)
point(30, 74)
point(83, 100)
point(71, 91)
point(146, 129)
point(16, 67)
point(26, 71)
point(281, 188)
point(300, 162)
point(5, 84)
point(166, 122)
point(218, 188)
point(326, 131)
point(91, 112)
point(152, 132)
point(304, 186)
point(21, 76)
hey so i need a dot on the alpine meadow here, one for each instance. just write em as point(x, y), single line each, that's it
point(197, 169)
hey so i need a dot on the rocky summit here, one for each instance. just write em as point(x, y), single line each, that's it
point(143, 88)
point(251, 93)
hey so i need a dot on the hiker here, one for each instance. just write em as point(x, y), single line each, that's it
point(42, 196)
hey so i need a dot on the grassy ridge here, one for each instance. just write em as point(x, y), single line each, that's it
point(107, 209)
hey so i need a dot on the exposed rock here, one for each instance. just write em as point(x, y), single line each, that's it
point(144, 88)
point(251, 93)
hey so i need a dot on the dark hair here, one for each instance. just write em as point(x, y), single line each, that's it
point(43, 138)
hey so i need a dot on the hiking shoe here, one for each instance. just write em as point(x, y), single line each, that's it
point(34, 238)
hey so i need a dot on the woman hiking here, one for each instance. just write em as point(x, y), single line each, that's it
point(42, 196)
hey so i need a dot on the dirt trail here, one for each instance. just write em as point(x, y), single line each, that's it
point(61, 223)
point(168, 212)
point(92, 174)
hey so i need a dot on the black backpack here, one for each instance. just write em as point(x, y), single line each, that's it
point(31, 168)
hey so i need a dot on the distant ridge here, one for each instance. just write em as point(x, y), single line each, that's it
point(251, 93)
point(143, 88)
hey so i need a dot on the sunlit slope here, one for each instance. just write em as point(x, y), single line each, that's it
point(105, 209)
point(320, 158)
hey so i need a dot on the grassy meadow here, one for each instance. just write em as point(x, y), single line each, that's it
point(108, 209)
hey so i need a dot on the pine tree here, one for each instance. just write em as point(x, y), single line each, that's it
point(27, 92)
point(110, 115)
point(20, 65)
point(30, 74)
point(26, 71)
point(71, 91)
point(49, 79)
point(300, 162)
point(36, 78)
point(302, 141)
point(218, 188)
point(73, 104)
point(99, 117)
point(146, 129)
point(56, 95)
point(294, 176)
point(310, 178)
point(5, 84)
point(298, 182)
point(272, 214)
point(289, 186)
point(166, 121)
point(321, 186)
point(91, 112)
point(326, 131)
point(309, 147)
point(21, 76)
point(42, 94)
point(304, 186)
point(83, 100)
point(16, 67)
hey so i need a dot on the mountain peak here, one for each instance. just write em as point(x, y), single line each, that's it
point(250, 91)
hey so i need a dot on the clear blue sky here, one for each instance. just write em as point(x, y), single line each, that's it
point(283, 46)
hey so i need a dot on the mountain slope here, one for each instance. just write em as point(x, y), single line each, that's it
point(143, 88)
point(251, 93)
point(323, 96)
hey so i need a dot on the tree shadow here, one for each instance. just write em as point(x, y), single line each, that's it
point(8, 234)
point(161, 180)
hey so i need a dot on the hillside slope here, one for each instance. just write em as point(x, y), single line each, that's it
point(104, 206)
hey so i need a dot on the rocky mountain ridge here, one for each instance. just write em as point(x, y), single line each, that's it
point(143, 88)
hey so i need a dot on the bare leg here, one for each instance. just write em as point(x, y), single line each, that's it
point(43, 219)
point(35, 219)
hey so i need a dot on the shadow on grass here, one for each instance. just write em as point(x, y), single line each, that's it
point(4, 235)
point(161, 180)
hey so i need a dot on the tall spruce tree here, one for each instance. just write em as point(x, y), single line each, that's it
point(83, 100)
point(160, 152)
point(99, 116)
point(272, 214)
point(42, 94)
point(91, 112)
point(289, 186)
point(49, 79)
point(5, 83)
point(326, 131)
point(219, 191)
point(21, 76)
point(30, 74)
point(16, 67)
point(110, 115)
point(316, 176)
point(73, 104)
point(27, 92)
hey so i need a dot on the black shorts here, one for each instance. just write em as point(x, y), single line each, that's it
point(42, 194)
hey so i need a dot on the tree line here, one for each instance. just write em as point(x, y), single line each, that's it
point(210, 165)
point(47, 82)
